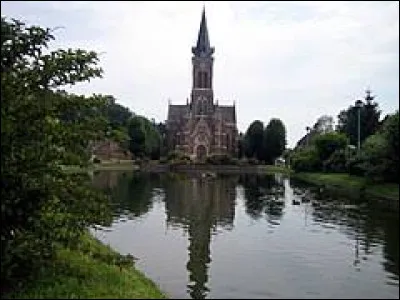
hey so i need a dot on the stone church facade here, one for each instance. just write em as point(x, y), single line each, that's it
point(201, 127)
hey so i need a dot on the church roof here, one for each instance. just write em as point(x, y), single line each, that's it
point(228, 113)
point(203, 47)
point(175, 112)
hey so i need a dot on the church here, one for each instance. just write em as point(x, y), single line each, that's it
point(202, 127)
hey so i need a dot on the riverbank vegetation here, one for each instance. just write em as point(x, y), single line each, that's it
point(90, 270)
point(45, 210)
point(374, 162)
point(383, 190)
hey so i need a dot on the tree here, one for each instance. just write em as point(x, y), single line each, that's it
point(328, 143)
point(254, 140)
point(42, 205)
point(116, 114)
point(145, 139)
point(241, 145)
point(379, 158)
point(137, 137)
point(324, 124)
point(274, 140)
point(369, 120)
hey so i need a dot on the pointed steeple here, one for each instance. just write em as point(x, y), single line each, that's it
point(203, 47)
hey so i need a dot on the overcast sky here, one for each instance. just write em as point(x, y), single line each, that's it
point(290, 60)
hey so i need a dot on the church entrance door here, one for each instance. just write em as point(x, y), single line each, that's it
point(201, 152)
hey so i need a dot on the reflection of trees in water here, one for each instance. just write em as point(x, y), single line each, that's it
point(391, 245)
point(200, 205)
point(264, 194)
point(203, 205)
point(130, 193)
point(367, 224)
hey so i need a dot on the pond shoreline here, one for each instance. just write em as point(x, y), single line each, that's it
point(385, 193)
point(94, 270)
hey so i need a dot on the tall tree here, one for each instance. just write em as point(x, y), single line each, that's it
point(254, 140)
point(145, 139)
point(241, 145)
point(42, 205)
point(324, 124)
point(369, 120)
point(274, 140)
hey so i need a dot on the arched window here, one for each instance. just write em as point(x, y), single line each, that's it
point(199, 79)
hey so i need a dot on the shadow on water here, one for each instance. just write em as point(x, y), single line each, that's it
point(203, 207)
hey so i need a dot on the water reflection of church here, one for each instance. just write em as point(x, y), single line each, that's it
point(201, 206)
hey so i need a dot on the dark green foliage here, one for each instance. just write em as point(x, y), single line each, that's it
point(379, 158)
point(145, 139)
point(174, 155)
point(253, 140)
point(336, 162)
point(221, 159)
point(328, 143)
point(369, 120)
point(274, 140)
point(306, 160)
point(263, 145)
point(137, 137)
point(241, 146)
point(117, 115)
point(42, 129)
point(390, 132)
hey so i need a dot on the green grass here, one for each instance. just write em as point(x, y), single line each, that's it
point(276, 169)
point(337, 179)
point(106, 165)
point(93, 271)
point(390, 190)
point(384, 190)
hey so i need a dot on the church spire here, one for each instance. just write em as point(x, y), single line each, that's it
point(203, 47)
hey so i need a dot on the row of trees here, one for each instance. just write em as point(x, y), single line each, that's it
point(336, 150)
point(263, 144)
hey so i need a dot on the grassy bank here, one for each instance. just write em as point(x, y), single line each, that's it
point(384, 190)
point(92, 271)
point(129, 165)
point(270, 169)
point(123, 165)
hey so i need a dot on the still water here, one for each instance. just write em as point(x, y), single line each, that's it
point(244, 237)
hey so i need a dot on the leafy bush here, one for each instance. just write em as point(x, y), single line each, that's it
point(336, 162)
point(328, 143)
point(172, 155)
point(42, 205)
point(306, 160)
point(220, 159)
point(354, 166)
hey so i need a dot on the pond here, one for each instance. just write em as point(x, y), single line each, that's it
point(248, 236)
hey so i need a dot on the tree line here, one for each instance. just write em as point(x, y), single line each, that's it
point(263, 144)
point(361, 144)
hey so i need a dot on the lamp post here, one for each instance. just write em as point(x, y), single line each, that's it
point(358, 106)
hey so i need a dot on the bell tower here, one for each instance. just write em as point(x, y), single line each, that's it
point(202, 61)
